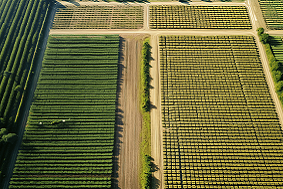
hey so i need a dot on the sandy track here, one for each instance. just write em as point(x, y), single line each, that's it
point(156, 121)
point(129, 120)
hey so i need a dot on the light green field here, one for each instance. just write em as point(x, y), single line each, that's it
point(219, 120)
point(99, 17)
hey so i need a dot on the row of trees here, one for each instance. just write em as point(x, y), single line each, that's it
point(145, 76)
point(21, 25)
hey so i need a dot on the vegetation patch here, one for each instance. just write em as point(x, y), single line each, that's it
point(69, 138)
point(99, 17)
point(199, 17)
point(146, 160)
point(218, 116)
point(274, 51)
point(272, 11)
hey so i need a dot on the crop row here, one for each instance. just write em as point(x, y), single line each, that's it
point(273, 13)
point(70, 131)
point(218, 116)
point(199, 17)
point(99, 17)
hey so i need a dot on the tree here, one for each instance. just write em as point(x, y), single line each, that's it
point(276, 75)
point(260, 31)
point(10, 138)
point(3, 131)
point(279, 86)
point(264, 38)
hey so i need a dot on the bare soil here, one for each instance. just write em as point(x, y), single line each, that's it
point(129, 118)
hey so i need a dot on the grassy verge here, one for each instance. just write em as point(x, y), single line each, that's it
point(146, 164)
point(275, 66)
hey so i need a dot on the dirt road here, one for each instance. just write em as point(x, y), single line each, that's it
point(129, 120)
point(156, 124)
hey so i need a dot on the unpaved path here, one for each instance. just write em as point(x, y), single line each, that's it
point(156, 116)
point(129, 121)
point(255, 14)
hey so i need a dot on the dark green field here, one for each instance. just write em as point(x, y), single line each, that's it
point(69, 139)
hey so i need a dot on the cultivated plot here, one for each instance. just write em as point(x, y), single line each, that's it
point(273, 13)
point(199, 17)
point(99, 17)
point(277, 47)
point(69, 139)
point(220, 126)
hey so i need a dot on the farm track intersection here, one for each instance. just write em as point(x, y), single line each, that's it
point(132, 47)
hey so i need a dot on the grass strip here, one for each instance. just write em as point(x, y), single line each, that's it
point(146, 160)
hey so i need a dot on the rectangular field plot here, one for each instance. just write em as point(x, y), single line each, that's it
point(277, 47)
point(68, 142)
point(199, 17)
point(220, 127)
point(99, 17)
point(272, 11)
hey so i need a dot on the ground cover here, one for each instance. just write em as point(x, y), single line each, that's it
point(220, 125)
point(273, 13)
point(21, 28)
point(99, 17)
point(69, 138)
point(146, 168)
point(199, 17)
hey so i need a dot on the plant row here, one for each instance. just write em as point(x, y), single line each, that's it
point(217, 117)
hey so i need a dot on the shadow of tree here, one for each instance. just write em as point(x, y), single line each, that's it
point(155, 183)
point(119, 118)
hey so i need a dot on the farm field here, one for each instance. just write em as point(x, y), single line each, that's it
point(277, 47)
point(69, 138)
point(272, 11)
point(21, 24)
point(220, 127)
point(199, 17)
point(99, 17)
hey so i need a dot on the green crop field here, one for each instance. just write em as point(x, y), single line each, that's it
point(272, 12)
point(21, 29)
point(69, 138)
point(199, 17)
point(99, 17)
point(277, 47)
point(220, 125)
